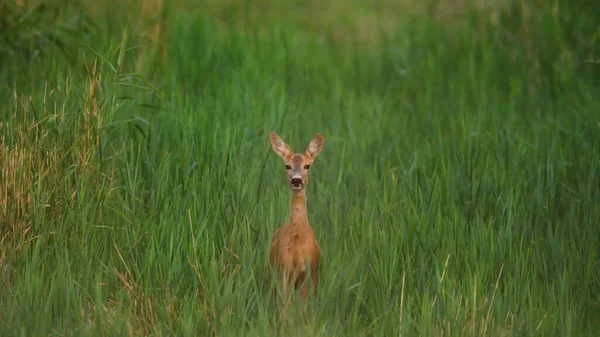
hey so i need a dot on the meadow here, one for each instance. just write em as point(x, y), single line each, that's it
point(457, 193)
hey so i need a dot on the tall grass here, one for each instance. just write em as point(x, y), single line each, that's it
point(456, 195)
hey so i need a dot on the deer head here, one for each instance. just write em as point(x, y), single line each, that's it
point(297, 165)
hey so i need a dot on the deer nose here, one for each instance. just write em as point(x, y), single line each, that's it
point(297, 182)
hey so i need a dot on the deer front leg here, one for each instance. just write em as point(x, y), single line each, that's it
point(284, 299)
point(314, 278)
point(310, 286)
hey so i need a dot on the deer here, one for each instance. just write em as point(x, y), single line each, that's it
point(295, 253)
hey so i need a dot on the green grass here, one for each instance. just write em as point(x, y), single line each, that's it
point(457, 193)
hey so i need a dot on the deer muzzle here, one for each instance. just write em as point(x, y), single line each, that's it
point(297, 183)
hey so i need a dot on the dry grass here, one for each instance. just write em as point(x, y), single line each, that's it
point(40, 170)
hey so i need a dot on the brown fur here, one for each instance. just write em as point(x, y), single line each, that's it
point(294, 251)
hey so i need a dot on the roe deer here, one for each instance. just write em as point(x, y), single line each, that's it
point(294, 248)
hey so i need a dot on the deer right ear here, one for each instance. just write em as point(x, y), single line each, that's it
point(279, 146)
point(315, 146)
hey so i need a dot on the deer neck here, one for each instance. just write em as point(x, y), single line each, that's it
point(298, 215)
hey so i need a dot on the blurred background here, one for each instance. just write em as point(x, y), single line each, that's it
point(457, 194)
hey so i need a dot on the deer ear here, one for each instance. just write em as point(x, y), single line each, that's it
point(279, 146)
point(315, 146)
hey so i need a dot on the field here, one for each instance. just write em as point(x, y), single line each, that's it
point(457, 194)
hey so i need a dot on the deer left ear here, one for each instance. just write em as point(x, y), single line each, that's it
point(279, 146)
point(315, 146)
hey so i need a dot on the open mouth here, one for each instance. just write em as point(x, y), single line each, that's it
point(297, 183)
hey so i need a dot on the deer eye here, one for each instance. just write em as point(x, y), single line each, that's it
point(306, 167)
point(288, 167)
